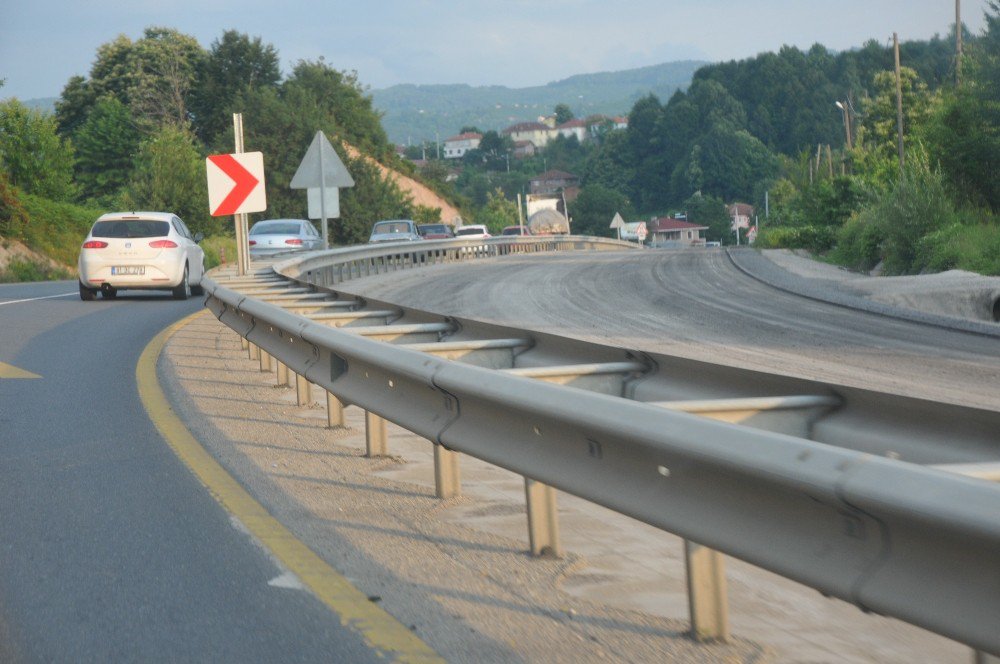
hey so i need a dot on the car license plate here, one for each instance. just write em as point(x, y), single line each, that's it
point(129, 269)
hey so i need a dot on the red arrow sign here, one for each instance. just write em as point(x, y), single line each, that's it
point(244, 180)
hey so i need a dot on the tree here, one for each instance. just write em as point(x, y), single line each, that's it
point(563, 114)
point(595, 207)
point(234, 63)
point(163, 68)
point(498, 212)
point(106, 145)
point(32, 154)
point(169, 175)
point(372, 198)
point(710, 211)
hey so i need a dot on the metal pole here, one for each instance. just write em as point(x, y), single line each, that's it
point(322, 200)
point(899, 101)
point(240, 220)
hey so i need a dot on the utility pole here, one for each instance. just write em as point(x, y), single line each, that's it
point(958, 43)
point(899, 101)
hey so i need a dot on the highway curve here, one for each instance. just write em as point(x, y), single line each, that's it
point(697, 304)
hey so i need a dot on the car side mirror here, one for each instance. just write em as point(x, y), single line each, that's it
point(198, 237)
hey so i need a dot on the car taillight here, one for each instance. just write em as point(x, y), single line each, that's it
point(163, 244)
point(94, 244)
point(293, 240)
point(253, 242)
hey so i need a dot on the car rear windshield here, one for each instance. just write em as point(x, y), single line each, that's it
point(469, 231)
point(131, 228)
point(433, 228)
point(391, 227)
point(276, 229)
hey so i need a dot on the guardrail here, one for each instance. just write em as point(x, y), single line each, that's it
point(873, 498)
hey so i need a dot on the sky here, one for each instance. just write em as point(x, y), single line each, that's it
point(515, 43)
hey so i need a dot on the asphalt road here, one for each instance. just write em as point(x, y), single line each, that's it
point(110, 549)
point(697, 304)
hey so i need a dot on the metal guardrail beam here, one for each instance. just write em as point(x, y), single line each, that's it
point(888, 535)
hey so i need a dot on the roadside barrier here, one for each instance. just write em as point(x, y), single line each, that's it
point(877, 499)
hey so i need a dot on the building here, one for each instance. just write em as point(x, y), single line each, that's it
point(674, 233)
point(535, 132)
point(523, 149)
point(741, 215)
point(571, 128)
point(456, 146)
point(552, 182)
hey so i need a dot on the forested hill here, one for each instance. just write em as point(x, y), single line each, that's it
point(416, 113)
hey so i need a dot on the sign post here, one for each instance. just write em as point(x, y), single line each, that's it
point(236, 187)
point(618, 223)
point(321, 174)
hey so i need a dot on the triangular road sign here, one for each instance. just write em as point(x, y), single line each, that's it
point(321, 167)
point(617, 222)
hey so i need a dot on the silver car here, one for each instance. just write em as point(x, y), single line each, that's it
point(276, 236)
point(394, 230)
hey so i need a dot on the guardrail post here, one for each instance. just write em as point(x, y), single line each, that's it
point(334, 411)
point(707, 599)
point(253, 351)
point(375, 435)
point(265, 361)
point(303, 391)
point(447, 478)
point(543, 519)
point(282, 374)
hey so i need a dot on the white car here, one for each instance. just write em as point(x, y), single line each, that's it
point(472, 231)
point(140, 250)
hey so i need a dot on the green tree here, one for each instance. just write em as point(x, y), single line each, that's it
point(106, 145)
point(498, 212)
point(563, 113)
point(372, 198)
point(595, 207)
point(169, 175)
point(710, 211)
point(163, 67)
point(32, 154)
point(235, 63)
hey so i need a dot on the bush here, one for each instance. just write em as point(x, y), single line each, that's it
point(217, 248)
point(859, 245)
point(56, 229)
point(20, 270)
point(971, 247)
point(816, 239)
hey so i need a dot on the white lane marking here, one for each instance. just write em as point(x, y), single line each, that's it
point(286, 580)
point(32, 299)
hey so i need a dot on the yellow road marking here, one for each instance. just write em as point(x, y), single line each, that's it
point(10, 371)
point(382, 632)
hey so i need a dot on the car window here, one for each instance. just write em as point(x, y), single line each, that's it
point(289, 228)
point(131, 228)
point(181, 228)
point(470, 231)
point(391, 227)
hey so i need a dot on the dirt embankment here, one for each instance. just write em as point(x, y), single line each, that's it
point(421, 194)
point(11, 250)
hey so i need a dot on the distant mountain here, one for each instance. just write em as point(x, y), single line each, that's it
point(44, 104)
point(415, 113)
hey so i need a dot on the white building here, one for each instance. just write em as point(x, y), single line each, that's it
point(456, 146)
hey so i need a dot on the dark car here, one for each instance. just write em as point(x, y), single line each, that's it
point(435, 231)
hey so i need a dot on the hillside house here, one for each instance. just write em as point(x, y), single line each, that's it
point(535, 132)
point(456, 146)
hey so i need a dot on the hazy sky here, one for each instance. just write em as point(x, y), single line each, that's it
point(481, 42)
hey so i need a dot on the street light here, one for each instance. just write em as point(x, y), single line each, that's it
point(847, 123)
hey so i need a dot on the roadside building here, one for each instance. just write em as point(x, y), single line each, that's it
point(456, 146)
point(674, 233)
point(535, 132)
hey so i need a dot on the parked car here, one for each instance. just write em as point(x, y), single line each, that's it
point(435, 231)
point(394, 230)
point(515, 230)
point(275, 236)
point(142, 251)
point(472, 231)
